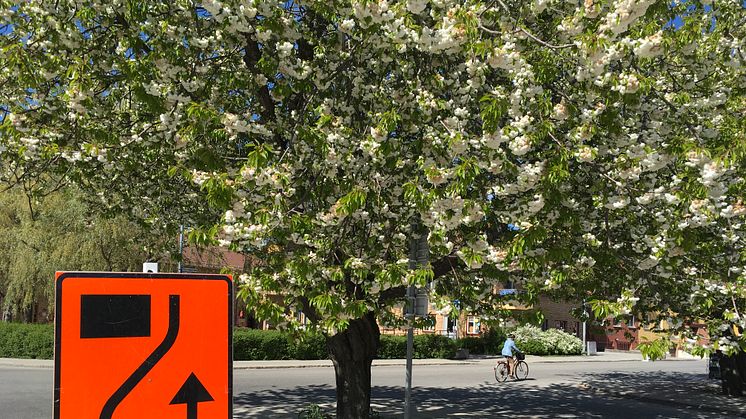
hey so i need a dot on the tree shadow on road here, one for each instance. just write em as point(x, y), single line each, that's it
point(589, 397)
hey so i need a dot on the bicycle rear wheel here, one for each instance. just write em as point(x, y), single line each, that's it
point(521, 370)
point(501, 372)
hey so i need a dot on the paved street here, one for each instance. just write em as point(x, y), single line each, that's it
point(280, 389)
point(553, 390)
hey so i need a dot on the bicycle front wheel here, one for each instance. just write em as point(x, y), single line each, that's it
point(521, 370)
point(501, 372)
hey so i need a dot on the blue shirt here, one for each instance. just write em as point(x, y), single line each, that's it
point(509, 347)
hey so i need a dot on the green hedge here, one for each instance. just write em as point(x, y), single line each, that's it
point(254, 345)
point(21, 340)
point(425, 346)
point(490, 343)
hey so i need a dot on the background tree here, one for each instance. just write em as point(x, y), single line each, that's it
point(62, 235)
point(580, 147)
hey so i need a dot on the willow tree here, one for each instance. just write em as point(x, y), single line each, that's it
point(609, 136)
point(58, 232)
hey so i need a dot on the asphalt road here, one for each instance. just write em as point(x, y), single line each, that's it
point(553, 390)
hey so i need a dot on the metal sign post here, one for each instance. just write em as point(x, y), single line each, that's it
point(419, 255)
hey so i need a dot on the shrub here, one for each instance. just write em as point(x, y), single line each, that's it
point(489, 343)
point(425, 346)
point(532, 340)
point(528, 338)
point(21, 340)
point(309, 346)
point(433, 346)
point(475, 345)
point(561, 343)
point(253, 345)
point(313, 411)
point(392, 347)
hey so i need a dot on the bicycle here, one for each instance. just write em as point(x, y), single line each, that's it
point(520, 370)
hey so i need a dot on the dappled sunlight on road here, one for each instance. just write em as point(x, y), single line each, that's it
point(582, 396)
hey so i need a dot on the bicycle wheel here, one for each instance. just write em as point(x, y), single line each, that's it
point(501, 372)
point(521, 370)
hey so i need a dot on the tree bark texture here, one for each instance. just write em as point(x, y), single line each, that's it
point(733, 374)
point(352, 352)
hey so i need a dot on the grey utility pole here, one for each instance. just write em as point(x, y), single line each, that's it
point(585, 320)
point(181, 248)
point(419, 255)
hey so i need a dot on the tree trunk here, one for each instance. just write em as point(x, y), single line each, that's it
point(733, 374)
point(352, 353)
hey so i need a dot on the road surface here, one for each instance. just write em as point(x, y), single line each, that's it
point(553, 390)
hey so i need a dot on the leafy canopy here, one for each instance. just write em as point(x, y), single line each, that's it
point(588, 149)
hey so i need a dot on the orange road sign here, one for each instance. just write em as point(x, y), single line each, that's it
point(143, 345)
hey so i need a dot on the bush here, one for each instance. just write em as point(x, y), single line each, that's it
point(254, 345)
point(489, 343)
point(532, 340)
point(561, 343)
point(21, 340)
point(309, 346)
point(392, 347)
point(425, 346)
point(475, 345)
point(313, 411)
point(433, 346)
point(528, 338)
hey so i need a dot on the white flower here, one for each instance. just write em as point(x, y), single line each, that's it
point(347, 25)
point(560, 111)
point(263, 36)
point(284, 49)
point(540, 6)
point(260, 80)
point(617, 202)
point(493, 141)
point(536, 205)
point(710, 172)
point(520, 145)
point(586, 261)
point(586, 154)
point(416, 6)
point(648, 263)
point(651, 46)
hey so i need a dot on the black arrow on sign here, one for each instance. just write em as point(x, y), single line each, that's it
point(191, 393)
point(150, 361)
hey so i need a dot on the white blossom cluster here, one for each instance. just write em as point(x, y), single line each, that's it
point(549, 140)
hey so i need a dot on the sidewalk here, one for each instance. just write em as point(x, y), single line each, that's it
point(476, 359)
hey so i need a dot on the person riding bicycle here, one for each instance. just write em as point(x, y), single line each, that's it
point(509, 349)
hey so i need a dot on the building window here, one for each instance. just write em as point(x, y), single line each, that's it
point(630, 322)
point(429, 324)
point(560, 324)
point(472, 325)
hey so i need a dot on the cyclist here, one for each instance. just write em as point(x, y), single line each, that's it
point(509, 349)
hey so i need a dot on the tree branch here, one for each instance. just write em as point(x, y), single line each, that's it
point(524, 30)
point(444, 265)
point(251, 57)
